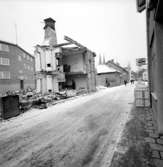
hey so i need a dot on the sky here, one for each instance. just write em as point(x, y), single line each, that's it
point(112, 28)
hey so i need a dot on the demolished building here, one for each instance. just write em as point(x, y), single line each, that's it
point(59, 67)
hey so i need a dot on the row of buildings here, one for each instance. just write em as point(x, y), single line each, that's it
point(111, 74)
point(55, 67)
point(154, 23)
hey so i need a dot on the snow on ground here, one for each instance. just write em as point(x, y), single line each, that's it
point(79, 132)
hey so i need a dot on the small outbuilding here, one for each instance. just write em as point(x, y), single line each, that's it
point(107, 76)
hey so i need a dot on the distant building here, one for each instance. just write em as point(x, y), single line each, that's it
point(134, 75)
point(107, 76)
point(17, 68)
point(145, 75)
point(125, 75)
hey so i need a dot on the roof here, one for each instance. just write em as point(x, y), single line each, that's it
point(115, 64)
point(49, 20)
point(15, 45)
point(104, 69)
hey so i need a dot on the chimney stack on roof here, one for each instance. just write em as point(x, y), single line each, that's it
point(50, 37)
point(49, 22)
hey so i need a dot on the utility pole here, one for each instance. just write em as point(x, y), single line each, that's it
point(16, 34)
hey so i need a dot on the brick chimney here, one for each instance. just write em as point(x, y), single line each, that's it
point(50, 37)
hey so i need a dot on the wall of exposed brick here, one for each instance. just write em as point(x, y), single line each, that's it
point(22, 66)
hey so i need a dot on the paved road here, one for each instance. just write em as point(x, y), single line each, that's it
point(78, 133)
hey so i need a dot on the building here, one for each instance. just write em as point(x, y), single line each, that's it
point(125, 74)
point(154, 20)
point(145, 75)
point(134, 75)
point(107, 76)
point(59, 67)
point(17, 68)
point(79, 68)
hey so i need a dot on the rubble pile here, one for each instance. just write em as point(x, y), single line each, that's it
point(38, 100)
point(31, 99)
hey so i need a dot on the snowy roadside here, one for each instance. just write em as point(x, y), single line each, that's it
point(34, 111)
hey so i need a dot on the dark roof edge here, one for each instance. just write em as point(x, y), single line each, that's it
point(99, 73)
point(117, 65)
point(9, 43)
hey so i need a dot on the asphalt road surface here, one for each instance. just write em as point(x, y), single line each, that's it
point(82, 132)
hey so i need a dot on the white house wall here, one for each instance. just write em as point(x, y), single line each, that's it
point(48, 56)
point(49, 83)
point(55, 85)
point(37, 62)
point(38, 85)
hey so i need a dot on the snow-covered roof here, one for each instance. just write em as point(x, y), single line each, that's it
point(104, 69)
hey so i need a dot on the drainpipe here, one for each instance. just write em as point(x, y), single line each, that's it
point(149, 55)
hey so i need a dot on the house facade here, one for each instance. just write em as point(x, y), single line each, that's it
point(154, 22)
point(125, 74)
point(107, 76)
point(17, 68)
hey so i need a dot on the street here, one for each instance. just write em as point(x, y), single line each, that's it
point(77, 133)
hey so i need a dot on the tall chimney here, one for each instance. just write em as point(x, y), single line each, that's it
point(50, 37)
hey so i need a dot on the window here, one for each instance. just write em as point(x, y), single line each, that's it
point(31, 59)
point(28, 57)
point(48, 65)
point(4, 61)
point(24, 55)
point(4, 75)
point(4, 47)
point(19, 58)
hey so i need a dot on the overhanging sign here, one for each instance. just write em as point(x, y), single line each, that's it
point(141, 61)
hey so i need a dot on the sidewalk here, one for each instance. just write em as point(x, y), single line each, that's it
point(139, 145)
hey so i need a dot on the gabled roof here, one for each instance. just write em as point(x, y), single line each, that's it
point(104, 69)
point(15, 45)
point(118, 66)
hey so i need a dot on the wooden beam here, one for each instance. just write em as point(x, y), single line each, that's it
point(55, 46)
point(73, 42)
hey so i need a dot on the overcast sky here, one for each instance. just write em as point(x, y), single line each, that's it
point(109, 27)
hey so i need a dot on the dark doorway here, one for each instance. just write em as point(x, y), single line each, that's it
point(73, 84)
point(21, 84)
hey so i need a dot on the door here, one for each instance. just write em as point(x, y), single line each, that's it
point(21, 84)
